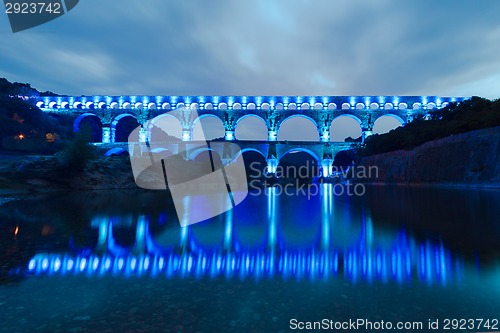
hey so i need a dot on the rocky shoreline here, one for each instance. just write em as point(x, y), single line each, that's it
point(35, 173)
point(469, 160)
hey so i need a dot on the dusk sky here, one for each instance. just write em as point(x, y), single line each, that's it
point(261, 47)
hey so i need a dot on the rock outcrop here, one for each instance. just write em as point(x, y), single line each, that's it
point(471, 158)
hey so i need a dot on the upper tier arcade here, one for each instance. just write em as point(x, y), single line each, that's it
point(272, 110)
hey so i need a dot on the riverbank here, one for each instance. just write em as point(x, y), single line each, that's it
point(24, 173)
point(470, 159)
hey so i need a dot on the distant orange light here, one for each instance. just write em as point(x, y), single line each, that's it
point(16, 231)
point(20, 136)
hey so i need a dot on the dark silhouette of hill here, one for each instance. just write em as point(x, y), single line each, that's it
point(23, 126)
point(21, 89)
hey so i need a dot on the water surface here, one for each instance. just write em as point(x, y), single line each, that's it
point(118, 261)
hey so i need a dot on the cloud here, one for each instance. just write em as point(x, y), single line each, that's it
point(264, 47)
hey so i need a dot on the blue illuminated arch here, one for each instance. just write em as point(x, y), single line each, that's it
point(348, 115)
point(120, 117)
point(398, 118)
point(304, 150)
point(151, 125)
point(300, 116)
point(250, 115)
point(121, 134)
point(79, 119)
point(164, 115)
point(241, 152)
point(207, 115)
point(163, 152)
point(378, 123)
point(334, 127)
point(238, 121)
point(195, 153)
point(117, 151)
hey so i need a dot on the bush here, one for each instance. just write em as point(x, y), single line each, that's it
point(76, 154)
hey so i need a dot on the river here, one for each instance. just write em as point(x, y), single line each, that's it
point(118, 261)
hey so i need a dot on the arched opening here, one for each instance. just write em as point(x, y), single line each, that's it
point(318, 106)
point(126, 105)
point(180, 106)
point(298, 128)
point(165, 128)
point(431, 106)
point(208, 127)
point(265, 106)
point(416, 106)
point(305, 106)
point(251, 106)
point(90, 105)
point(40, 105)
point(403, 106)
point(116, 152)
point(374, 106)
point(332, 106)
point(161, 153)
point(151, 106)
point(279, 106)
point(53, 105)
point(387, 123)
point(345, 128)
point(114, 105)
point(222, 106)
point(102, 105)
point(299, 165)
point(236, 106)
point(209, 106)
point(122, 126)
point(64, 105)
point(360, 106)
point(89, 124)
point(346, 106)
point(166, 106)
point(139, 105)
point(207, 159)
point(255, 163)
point(77, 105)
point(292, 106)
point(251, 127)
point(388, 106)
point(194, 106)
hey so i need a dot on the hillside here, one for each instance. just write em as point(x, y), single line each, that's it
point(471, 158)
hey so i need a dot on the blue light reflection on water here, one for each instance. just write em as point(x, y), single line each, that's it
point(314, 265)
point(371, 256)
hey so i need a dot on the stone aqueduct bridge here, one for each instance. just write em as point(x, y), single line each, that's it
point(109, 111)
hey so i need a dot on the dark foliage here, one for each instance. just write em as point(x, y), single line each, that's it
point(344, 158)
point(473, 114)
point(76, 154)
point(23, 126)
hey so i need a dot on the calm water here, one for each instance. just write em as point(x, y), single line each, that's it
point(119, 262)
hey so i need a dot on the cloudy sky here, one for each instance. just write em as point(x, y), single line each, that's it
point(262, 47)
